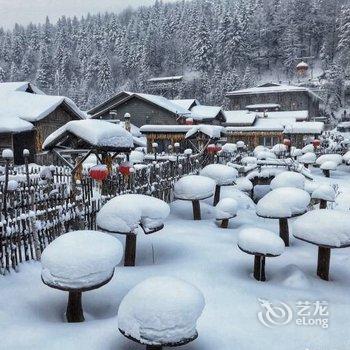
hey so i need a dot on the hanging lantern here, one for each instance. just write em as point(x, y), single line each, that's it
point(316, 143)
point(99, 172)
point(302, 68)
point(211, 149)
point(125, 168)
point(287, 142)
point(189, 121)
point(218, 148)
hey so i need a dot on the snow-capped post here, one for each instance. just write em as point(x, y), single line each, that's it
point(155, 147)
point(326, 167)
point(7, 155)
point(127, 119)
point(177, 150)
point(223, 175)
point(152, 314)
point(226, 209)
point(78, 262)
point(262, 244)
point(327, 229)
point(26, 154)
point(283, 203)
point(324, 193)
point(194, 188)
point(307, 159)
point(124, 214)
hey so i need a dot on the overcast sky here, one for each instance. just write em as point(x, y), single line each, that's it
point(26, 11)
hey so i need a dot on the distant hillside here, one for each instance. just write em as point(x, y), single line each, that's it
point(228, 44)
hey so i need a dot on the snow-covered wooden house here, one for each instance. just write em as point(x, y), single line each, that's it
point(28, 116)
point(287, 97)
point(146, 109)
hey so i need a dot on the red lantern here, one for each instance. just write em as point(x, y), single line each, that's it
point(99, 172)
point(211, 149)
point(189, 121)
point(124, 168)
point(316, 143)
point(287, 142)
point(217, 149)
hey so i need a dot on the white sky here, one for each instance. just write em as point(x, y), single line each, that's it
point(26, 11)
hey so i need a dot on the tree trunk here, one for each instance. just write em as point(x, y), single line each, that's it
point(323, 204)
point(130, 250)
point(324, 258)
point(224, 223)
point(326, 173)
point(284, 231)
point(74, 308)
point(259, 268)
point(217, 195)
point(196, 209)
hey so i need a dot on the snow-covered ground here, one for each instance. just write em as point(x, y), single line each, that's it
point(32, 314)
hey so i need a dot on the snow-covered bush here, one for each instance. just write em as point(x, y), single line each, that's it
point(288, 179)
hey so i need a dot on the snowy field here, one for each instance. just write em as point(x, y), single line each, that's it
point(32, 315)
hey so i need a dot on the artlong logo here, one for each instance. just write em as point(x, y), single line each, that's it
point(274, 315)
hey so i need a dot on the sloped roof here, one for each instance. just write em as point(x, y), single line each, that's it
point(205, 112)
point(186, 103)
point(304, 128)
point(240, 117)
point(97, 133)
point(23, 104)
point(272, 89)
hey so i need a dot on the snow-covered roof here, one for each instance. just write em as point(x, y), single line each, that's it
point(176, 128)
point(24, 104)
point(304, 128)
point(297, 115)
point(213, 131)
point(263, 105)
point(97, 133)
point(272, 89)
point(205, 112)
point(263, 124)
point(186, 103)
point(161, 79)
point(240, 117)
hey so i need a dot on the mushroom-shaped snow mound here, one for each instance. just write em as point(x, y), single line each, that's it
point(328, 165)
point(324, 227)
point(259, 241)
point(265, 155)
point(194, 187)
point(324, 192)
point(226, 208)
point(80, 259)
point(124, 213)
point(288, 179)
point(296, 152)
point(229, 148)
point(279, 148)
point(283, 202)
point(221, 174)
point(307, 158)
point(336, 158)
point(244, 184)
point(308, 148)
point(161, 310)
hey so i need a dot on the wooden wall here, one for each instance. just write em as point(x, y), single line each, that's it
point(253, 139)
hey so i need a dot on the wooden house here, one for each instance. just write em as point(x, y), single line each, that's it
point(287, 97)
point(148, 109)
point(28, 116)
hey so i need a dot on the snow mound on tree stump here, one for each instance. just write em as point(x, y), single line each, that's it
point(307, 158)
point(288, 179)
point(226, 208)
point(329, 165)
point(283, 202)
point(336, 158)
point(244, 184)
point(260, 241)
point(80, 259)
point(194, 187)
point(324, 227)
point(221, 174)
point(123, 214)
point(325, 192)
point(161, 310)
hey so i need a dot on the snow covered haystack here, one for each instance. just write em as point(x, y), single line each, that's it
point(194, 187)
point(283, 202)
point(288, 179)
point(221, 174)
point(123, 214)
point(80, 259)
point(160, 311)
